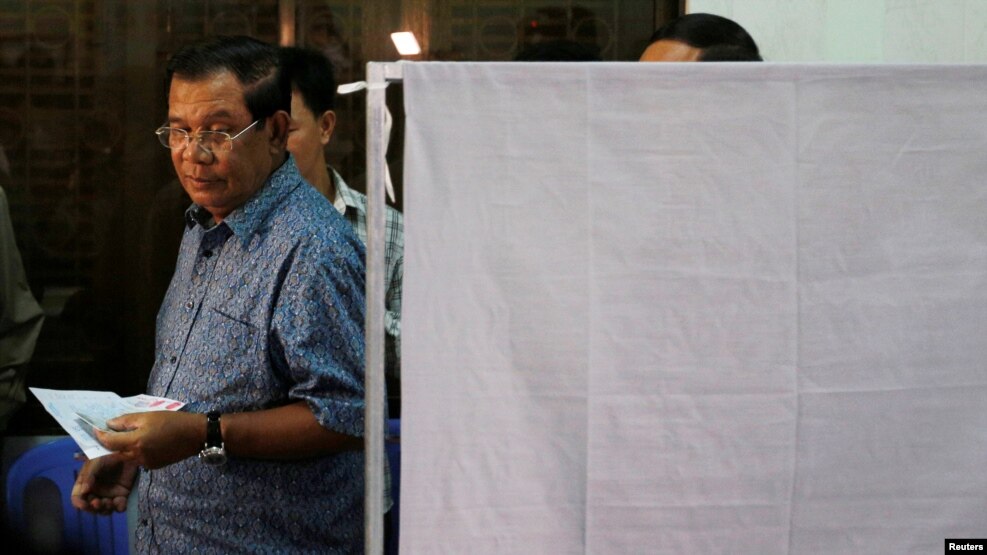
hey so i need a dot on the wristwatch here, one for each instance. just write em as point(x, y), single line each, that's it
point(214, 452)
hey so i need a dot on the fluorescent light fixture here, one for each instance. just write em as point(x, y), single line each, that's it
point(406, 43)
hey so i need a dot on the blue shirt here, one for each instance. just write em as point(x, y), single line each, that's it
point(265, 309)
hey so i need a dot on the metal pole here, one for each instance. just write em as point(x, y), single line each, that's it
point(374, 379)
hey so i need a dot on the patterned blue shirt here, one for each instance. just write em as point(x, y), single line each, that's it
point(265, 309)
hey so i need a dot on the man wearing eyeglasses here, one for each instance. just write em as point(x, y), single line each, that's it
point(260, 333)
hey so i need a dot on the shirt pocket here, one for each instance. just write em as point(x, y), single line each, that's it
point(232, 359)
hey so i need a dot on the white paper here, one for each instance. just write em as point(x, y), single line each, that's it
point(78, 411)
point(693, 308)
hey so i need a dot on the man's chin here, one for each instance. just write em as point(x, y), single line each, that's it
point(210, 204)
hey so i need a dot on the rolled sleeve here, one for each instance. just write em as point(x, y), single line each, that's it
point(319, 334)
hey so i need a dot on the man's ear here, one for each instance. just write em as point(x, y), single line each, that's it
point(279, 123)
point(327, 123)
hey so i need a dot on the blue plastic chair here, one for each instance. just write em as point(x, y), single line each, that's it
point(393, 448)
point(81, 532)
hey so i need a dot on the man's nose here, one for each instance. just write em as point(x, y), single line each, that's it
point(195, 152)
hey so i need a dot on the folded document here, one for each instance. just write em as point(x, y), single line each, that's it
point(78, 412)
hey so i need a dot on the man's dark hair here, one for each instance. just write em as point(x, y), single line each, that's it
point(560, 50)
point(255, 64)
point(728, 53)
point(310, 72)
point(703, 30)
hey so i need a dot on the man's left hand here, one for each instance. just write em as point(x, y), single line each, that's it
point(155, 439)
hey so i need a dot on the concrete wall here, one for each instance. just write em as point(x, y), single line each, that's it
point(912, 31)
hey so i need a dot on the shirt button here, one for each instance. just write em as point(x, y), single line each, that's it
point(189, 305)
point(174, 360)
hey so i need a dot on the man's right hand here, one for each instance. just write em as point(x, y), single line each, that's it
point(104, 484)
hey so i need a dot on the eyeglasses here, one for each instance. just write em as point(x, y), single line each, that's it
point(209, 141)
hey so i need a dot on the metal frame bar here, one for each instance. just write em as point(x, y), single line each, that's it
point(378, 75)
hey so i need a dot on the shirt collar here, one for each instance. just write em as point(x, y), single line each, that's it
point(250, 217)
point(343, 192)
point(196, 214)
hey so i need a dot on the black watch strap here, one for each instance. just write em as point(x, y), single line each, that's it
point(214, 435)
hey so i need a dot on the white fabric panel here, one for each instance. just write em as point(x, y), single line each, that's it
point(893, 310)
point(684, 308)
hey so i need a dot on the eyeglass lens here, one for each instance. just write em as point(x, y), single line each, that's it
point(179, 138)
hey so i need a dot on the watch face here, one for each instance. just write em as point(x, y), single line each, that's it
point(213, 455)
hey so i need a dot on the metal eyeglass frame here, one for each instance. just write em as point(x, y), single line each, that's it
point(162, 133)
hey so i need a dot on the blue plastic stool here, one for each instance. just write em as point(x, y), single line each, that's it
point(81, 532)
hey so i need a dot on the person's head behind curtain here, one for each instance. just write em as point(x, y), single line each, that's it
point(701, 37)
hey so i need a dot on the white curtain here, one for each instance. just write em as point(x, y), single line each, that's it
point(694, 308)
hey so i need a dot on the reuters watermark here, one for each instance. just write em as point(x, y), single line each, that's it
point(966, 545)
